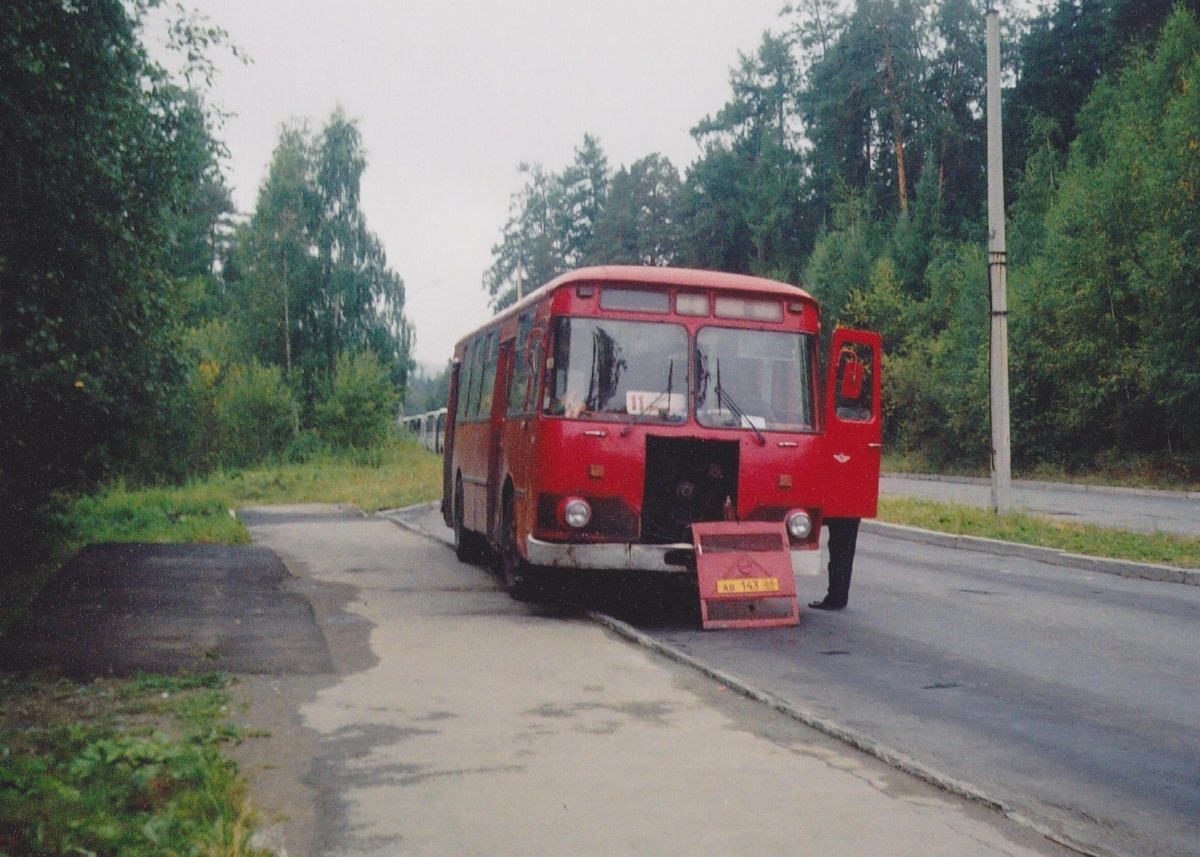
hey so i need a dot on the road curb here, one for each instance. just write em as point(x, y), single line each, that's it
point(1041, 483)
point(882, 752)
point(1053, 556)
point(396, 517)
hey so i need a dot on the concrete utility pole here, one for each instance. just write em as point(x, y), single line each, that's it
point(997, 252)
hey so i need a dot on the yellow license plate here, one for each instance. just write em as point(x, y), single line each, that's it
point(747, 585)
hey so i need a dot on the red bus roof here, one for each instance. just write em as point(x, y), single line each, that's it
point(648, 275)
point(677, 277)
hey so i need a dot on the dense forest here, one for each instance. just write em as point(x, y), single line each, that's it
point(850, 160)
point(143, 332)
point(149, 333)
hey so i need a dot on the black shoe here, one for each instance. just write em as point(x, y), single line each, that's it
point(826, 605)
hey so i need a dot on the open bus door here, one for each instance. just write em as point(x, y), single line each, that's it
point(448, 443)
point(853, 425)
point(496, 425)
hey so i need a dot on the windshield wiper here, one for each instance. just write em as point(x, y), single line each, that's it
point(737, 412)
point(670, 380)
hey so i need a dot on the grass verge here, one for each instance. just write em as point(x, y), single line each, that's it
point(397, 474)
point(1026, 529)
point(1157, 473)
point(120, 767)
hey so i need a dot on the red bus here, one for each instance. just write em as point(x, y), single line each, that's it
point(593, 422)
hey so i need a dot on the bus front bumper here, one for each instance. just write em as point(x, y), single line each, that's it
point(638, 557)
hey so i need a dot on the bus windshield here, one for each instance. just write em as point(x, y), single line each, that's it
point(754, 379)
point(605, 368)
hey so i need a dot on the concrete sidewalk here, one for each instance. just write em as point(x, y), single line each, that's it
point(476, 725)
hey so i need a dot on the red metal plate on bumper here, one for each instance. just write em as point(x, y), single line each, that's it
point(745, 574)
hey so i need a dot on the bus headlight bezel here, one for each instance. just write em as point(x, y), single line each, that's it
point(575, 512)
point(799, 524)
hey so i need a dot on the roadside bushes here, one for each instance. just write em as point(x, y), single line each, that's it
point(226, 412)
point(258, 416)
point(254, 415)
point(360, 403)
point(234, 412)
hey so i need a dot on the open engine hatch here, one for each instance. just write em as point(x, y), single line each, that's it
point(687, 480)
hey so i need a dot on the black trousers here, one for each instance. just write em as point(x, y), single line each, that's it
point(843, 537)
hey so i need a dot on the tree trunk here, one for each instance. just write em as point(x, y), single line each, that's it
point(898, 132)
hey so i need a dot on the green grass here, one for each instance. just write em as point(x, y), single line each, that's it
point(1033, 530)
point(120, 767)
point(1160, 473)
point(398, 474)
point(191, 513)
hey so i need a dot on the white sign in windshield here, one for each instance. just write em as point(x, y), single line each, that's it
point(638, 402)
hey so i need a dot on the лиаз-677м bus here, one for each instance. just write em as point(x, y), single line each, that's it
point(590, 425)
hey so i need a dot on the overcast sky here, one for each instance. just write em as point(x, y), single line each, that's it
point(451, 96)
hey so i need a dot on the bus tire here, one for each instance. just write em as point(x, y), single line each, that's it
point(519, 576)
point(466, 543)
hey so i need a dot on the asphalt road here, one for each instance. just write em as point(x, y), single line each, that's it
point(1071, 696)
point(121, 609)
point(1138, 510)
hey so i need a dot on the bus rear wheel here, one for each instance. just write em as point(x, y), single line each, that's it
point(466, 543)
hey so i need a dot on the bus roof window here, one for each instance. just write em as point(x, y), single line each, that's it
point(635, 300)
point(691, 304)
point(751, 310)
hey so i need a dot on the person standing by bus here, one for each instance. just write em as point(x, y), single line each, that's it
point(843, 537)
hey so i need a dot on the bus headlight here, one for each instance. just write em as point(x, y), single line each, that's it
point(576, 512)
point(799, 524)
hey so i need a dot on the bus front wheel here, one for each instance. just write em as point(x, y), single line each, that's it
point(519, 576)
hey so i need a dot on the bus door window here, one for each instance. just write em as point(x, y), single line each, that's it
point(754, 379)
point(609, 368)
point(476, 377)
point(853, 395)
point(535, 353)
point(488, 385)
point(478, 354)
point(523, 385)
point(464, 383)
